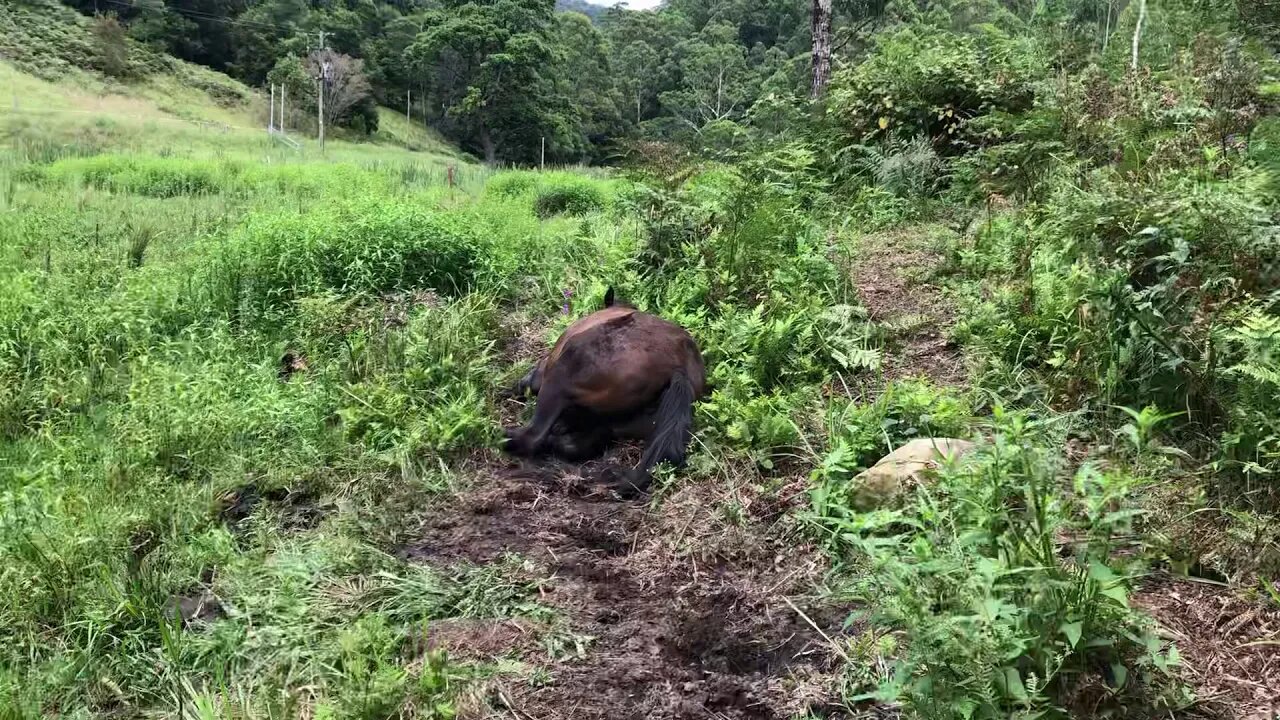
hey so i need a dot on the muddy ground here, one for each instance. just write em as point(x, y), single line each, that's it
point(691, 613)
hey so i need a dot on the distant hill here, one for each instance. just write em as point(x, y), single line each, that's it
point(595, 12)
point(50, 81)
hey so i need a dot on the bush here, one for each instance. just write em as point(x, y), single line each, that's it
point(569, 196)
point(864, 433)
point(111, 46)
point(1251, 390)
point(994, 623)
point(512, 184)
point(931, 82)
point(1111, 290)
point(369, 246)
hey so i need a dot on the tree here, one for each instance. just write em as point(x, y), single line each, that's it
point(643, 46)
point(262, 37)
point(586, 111)
point(716, 79)
point(637, 76)
point(1137, 33)
point(159, 27)
point(346, 88)
point(111, 46)
point(486, 63)
point(821, 47)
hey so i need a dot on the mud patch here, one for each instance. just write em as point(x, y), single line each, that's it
point(296, 510)
point(480, 640)
point(689, 615)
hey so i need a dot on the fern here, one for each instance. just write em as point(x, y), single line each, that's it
point(1259, 338)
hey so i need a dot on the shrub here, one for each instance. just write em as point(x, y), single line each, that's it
point(1251, 389)
point(994, 622)
point(928, 81)
point(1112, 290)
point(565, 196)
point(905, 410)
point(512, 184)
point(111, 46)
point(365, 246)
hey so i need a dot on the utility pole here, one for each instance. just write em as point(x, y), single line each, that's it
point(542, 165)
point(408, 105)
point(282, 108)
point(323, 81)
point(271, 113)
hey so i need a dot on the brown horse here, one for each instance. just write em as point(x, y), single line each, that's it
point(617, 372)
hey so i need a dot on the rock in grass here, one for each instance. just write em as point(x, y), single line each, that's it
point(884, 483)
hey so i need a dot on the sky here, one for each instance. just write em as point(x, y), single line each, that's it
point(633, 4)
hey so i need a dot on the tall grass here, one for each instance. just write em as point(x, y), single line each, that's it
point(146, 303)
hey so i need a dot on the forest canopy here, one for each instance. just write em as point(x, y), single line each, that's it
point(500, 76)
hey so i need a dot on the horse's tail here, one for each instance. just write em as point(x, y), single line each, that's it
point(669, 440)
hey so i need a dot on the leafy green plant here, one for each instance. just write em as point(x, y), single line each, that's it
point(997, 617)
point(1251, 442)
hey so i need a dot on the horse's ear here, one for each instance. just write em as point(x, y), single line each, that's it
point(608, 297)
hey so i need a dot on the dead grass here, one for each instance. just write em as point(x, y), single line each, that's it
point(1230, 645)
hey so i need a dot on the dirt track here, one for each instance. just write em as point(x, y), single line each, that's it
point(689, 613)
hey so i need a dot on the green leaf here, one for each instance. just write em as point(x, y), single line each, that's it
point(1073, 631)
point(1010, 683)
point(1101, 573)
point(1121, 674)
point(1118, 593)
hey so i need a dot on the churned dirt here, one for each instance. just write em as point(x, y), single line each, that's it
point(1230, 646)
point(893, 273)
point(692, 610)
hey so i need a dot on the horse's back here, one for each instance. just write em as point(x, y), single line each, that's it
point(618, 359)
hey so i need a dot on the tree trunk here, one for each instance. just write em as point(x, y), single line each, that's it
point(821, 48)
point(1137, 32)
point(486, 142)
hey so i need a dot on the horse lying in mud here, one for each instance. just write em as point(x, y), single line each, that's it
point(616, 373)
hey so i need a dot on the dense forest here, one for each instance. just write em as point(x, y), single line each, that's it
point(499, 76)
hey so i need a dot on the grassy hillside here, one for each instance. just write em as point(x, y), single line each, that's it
point(53, 96)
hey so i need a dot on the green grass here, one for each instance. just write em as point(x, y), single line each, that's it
point(149, 293)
